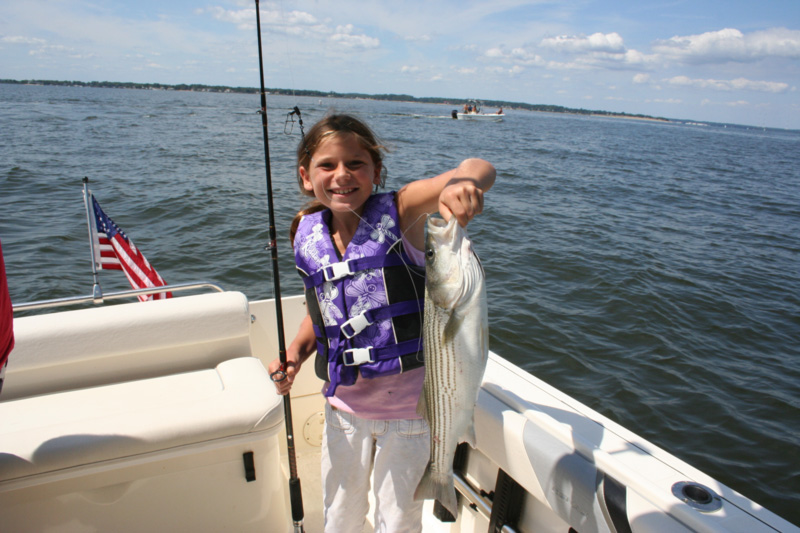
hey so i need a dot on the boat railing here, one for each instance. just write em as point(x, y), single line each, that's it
point(98, 297)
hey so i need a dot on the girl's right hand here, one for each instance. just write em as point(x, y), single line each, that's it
point(299, 350)
point(285, 385)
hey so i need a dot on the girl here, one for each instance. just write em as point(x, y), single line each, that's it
point(360, 255)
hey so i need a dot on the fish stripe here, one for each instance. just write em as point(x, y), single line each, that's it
point(442, 363)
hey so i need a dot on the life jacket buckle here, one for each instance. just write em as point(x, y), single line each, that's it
point(337, 270)
point(358, 356)
point(355, 325)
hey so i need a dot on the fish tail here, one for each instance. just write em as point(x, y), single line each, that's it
point(438, 486)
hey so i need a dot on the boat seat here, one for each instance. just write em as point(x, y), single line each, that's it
point(55, 432)
point(101, 345)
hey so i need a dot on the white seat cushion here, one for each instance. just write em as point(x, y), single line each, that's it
point(97, 346)
point(57, 431)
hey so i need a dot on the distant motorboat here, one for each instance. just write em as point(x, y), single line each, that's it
point(472, 111)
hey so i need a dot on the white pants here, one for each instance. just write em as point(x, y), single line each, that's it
point(395, 452)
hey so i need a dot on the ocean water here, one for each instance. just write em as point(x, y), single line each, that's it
point(651, 270)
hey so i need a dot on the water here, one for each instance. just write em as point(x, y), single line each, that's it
point(648, 269)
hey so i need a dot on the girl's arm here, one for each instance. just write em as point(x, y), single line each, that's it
point(297, 353)
point(457, 192)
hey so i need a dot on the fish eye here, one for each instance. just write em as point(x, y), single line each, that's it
point(429, 253)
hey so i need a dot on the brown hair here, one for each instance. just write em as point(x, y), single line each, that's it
point(330, 126)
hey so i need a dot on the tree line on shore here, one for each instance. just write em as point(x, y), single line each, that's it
point(326, 94)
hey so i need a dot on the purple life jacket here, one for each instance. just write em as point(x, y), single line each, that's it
point(367, 306)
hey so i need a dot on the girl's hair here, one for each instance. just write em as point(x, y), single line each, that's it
point(333, 126)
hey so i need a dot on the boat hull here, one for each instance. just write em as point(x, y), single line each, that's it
point(481, 117)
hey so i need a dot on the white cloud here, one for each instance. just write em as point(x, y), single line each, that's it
point(610, 43)
point(517, 56)
point(18, 39)
point(634, 57)
point(740, 84)
point(245, 18)
point(344, 36)
point(731, 45)
point(595, 51)
point(295, 23)
point(494, 52)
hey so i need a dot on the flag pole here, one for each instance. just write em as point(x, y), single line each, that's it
point(295, 494)
point(97, 292)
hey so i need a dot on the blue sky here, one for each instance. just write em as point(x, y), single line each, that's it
point(733, 61)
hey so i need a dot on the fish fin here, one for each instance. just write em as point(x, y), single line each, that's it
point(422, 405)
point(451, 328)
point(438, 486)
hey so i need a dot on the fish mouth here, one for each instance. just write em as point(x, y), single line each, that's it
point(440, 229)
point(436, 221)
point(440, 234)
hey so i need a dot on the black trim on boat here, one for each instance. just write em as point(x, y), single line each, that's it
point(507, 501)
point(249, 466)
point(615, 496)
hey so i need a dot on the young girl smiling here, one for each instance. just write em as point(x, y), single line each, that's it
point(360, 256)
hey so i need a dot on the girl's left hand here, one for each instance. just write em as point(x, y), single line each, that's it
point(461, 198)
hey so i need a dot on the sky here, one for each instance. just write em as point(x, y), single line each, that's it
point(732, 61)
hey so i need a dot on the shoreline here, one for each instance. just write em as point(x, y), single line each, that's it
point(196, 87)
point(458, 102)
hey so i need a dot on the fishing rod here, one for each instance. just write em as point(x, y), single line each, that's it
point(295, 494)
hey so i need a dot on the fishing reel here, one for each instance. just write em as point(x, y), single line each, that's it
point(279, 375)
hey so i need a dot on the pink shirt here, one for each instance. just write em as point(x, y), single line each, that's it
point(387, 397)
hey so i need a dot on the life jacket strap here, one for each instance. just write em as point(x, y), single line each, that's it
point(359, 356)
point(359, 323)
point(342, 269)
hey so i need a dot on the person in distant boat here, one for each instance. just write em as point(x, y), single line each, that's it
point(500, 111)
point(6, 321)
point(357, 250)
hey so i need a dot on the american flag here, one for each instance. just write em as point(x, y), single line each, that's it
point(114, 250)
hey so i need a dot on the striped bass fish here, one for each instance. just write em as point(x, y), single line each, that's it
point(456, 348)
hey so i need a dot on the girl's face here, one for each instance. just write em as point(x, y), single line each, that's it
point(341, 174)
